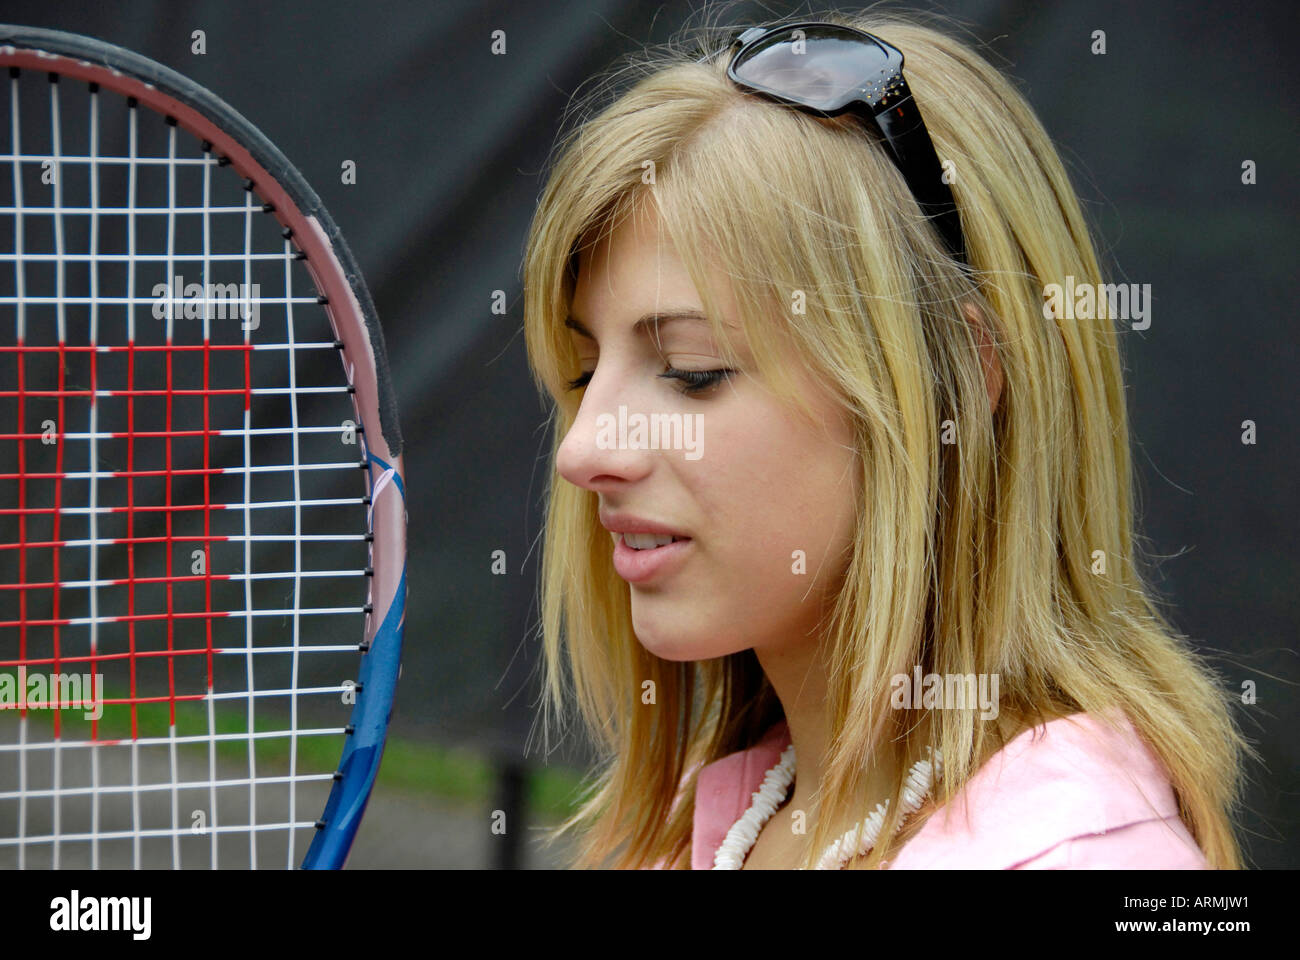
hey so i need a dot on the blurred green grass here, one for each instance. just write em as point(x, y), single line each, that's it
point(452, 774)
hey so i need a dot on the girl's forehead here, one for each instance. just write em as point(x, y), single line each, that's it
point(636, 268)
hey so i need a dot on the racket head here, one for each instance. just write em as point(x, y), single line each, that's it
point(231, 142)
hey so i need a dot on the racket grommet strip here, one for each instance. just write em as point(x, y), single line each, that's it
point(15, 72)
point(132, 102)
point(54, 77)
point(169, 120)
point(319, 824)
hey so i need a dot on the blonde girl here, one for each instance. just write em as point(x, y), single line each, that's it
point(902, 465)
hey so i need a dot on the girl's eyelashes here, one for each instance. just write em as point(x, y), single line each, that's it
point(577, 383)
point(693, 381)
point(697, 381)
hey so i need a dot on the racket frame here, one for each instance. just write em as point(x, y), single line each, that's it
point(355, 322)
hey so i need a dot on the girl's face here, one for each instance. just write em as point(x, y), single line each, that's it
point(765, 497)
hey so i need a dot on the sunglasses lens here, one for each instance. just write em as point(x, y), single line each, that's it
point(820, 66)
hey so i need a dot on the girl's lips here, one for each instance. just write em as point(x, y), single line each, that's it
point(638, 566)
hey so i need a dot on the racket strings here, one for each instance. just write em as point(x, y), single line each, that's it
point(185, 532)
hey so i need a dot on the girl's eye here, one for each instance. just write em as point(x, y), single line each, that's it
point(581, 380)
point(694, 381)
point(697, 381)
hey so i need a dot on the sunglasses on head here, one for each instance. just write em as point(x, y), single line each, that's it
point(828, 69)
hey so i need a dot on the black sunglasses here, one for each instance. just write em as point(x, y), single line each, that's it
point(829, 69)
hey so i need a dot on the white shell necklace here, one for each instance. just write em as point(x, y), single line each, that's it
point(855, 842)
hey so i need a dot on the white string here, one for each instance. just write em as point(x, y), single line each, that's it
point(233, 538)
point(86, 211)
point(162, 741)
point(228, 432)
point(255, 505)
point(171, 321)
point(265, 575)
point(248, 562)
point(130, 339)
point(212, 772)
point(21, 334)
point(297, 544)
point(255, 391)
point(228, 695)
point(240, 301)
point(266, 468)
point(207, 545)
point(22, 791)
point(121, 257)
point(257, 651)
point(198, 348)
point(250, 612)
point(137, 835)
point(188, 785)
point(176, 839)
point(305, 648)
point(62, 330)
point(93, 455)
point(181, 161)
point(135, 804)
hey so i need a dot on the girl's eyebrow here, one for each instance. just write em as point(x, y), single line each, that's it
point(647, 322)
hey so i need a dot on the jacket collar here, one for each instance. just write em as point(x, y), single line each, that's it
point(1069, 777)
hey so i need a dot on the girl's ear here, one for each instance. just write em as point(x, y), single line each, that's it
point(988, 355)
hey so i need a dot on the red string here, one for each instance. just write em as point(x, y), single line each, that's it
point(171, 620)
point(22, 528)
point(130, 524)
point(94, 720)
point(54, 534)
point(207, 503)
point(183, 651)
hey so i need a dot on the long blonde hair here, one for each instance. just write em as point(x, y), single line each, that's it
point(1009, 551)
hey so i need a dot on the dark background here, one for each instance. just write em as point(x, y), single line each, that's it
point(450, 142)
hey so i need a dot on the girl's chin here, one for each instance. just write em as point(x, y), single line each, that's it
point(670, 646)
point(675, 652)
point(680, 648)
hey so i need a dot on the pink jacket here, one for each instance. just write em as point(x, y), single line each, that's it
point(1067, 795)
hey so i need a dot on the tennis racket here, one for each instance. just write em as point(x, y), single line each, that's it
point(202, 557)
